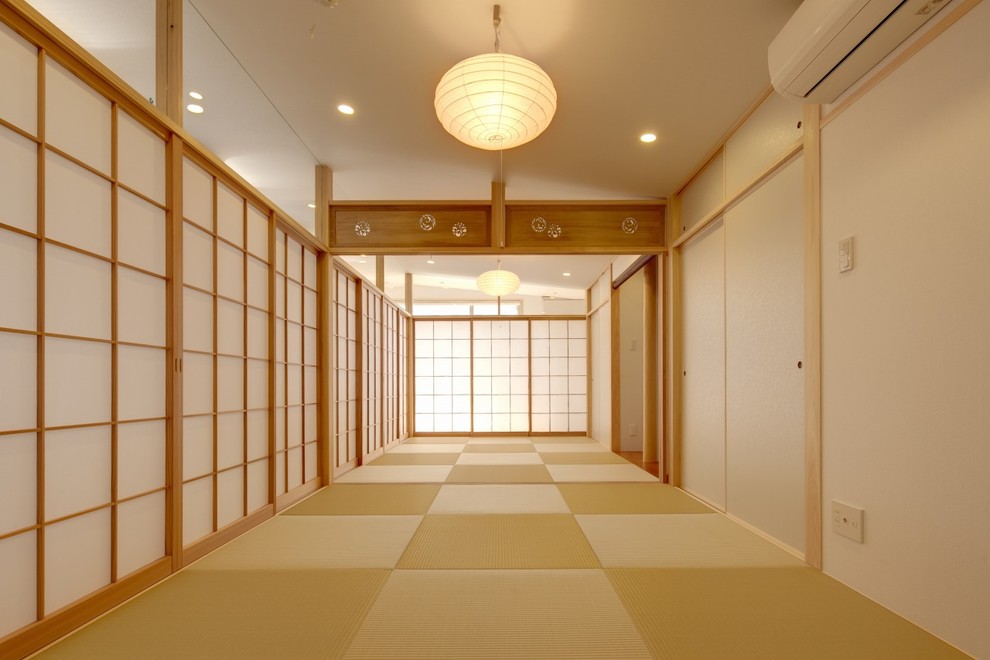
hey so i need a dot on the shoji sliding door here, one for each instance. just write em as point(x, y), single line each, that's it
point(501, 375)
point(500, 365)
point(82, 339)
point(560, 376)
point(345, 335)
point(296, 396)
point(443, 376)
point(225, 359)
point(371, 357)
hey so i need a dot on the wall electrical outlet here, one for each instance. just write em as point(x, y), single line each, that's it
point(847, 520)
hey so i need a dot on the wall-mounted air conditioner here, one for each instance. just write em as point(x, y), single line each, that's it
point(827, 45)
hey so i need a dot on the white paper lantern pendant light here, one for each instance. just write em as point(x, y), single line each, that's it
point(498, 282)
point(495, 101)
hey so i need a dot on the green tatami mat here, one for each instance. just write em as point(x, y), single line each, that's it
point(498, 615)
point(368, 499)
point(430, 458)
point(582, 458)
point(499, 541)
point(628, 498)
point(503, 448)
point(499, 474)
point(765, 613)
point(233, 614)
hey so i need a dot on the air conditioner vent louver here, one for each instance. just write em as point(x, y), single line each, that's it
point(828, 45)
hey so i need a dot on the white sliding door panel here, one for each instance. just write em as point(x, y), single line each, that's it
point(764, 306)
point(703, 388)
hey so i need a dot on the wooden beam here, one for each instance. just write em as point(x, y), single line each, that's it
point(324, 197)
point(813, 336)
point(168, 58)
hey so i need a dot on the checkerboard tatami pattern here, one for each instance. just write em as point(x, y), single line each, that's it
point(500, 548)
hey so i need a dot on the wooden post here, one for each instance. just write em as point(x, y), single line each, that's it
point(168, 58)
point(813, 336)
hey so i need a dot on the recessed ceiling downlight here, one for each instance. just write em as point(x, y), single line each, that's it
point(196, 95)
point(195, 108)
point(648, 137)
point(345, 109)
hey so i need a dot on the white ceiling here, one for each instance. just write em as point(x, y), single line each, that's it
point(273, 71)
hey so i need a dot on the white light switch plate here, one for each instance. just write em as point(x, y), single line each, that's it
point(845, 254)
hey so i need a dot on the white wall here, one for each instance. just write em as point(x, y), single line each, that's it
point(906, 371)
point(631, 362)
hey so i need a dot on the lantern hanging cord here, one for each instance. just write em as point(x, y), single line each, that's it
point(497, 22)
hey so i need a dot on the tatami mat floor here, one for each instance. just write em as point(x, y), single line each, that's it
point(500, 548)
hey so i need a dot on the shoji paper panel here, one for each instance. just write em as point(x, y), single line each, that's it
point(19, 100)
point(77, 558)
point(140, 233)
point(78, 294)
point(77, 382)
point(18, 281)
point(197, 509)
point(197, 446)
point(140, 457)
point(257, 233)
point(77, 118)
point(18, 180)
point(140, 158)
point(197, 195)
point(141, 383)
point(77, 206)
point(77, 470)
point(197, 263)
point(18, 481)
point(18, 381)
point(230, 496)
point(140, 532)
point(18, 561)
point(703, 389)
point(230, 215)
point(143, 299)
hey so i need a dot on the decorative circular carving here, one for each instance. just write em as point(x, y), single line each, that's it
point(427, 222)
point(554, 231)
point(459, 229)
point(362, 228)
point(630, 225)
point(539, 225)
